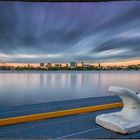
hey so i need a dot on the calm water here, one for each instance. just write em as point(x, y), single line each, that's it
point(20, 88)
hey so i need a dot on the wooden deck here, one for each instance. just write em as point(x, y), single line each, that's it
point(76, 126)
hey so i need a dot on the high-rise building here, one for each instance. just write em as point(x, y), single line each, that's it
point(99, 65)
point(73, 64)
point(82, 64)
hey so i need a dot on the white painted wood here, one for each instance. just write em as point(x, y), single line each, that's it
point(128, 119)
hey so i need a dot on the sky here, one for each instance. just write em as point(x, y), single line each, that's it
point(62, 32)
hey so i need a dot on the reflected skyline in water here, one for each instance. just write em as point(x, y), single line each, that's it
point(21, 88)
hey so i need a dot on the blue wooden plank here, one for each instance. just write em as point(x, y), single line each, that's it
point(75, 126)
point(56, 128)
point(40, 108)
point(52, 104)
point(98, 133)
point(135, 135)
point(36, 124)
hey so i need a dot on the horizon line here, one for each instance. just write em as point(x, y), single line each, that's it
point(118, 63)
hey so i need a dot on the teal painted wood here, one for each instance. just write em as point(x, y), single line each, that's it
point(55, 106)
point(53, 128)
point(75, 126)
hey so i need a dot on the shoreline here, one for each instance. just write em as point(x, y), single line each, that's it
point(63, 71)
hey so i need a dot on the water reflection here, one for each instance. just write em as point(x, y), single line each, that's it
point(36, 87)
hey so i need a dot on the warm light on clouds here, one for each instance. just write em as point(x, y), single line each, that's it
point(123, 63)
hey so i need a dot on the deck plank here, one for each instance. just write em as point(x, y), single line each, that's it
point(75, 126)
point(52, 128)
point(54, 106)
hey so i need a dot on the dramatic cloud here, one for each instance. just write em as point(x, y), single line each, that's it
point(63, 32)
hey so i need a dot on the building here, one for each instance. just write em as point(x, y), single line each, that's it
point(73, 64)
point(57, 65)
point(86, 65)
point(67, 65)
point(49, 65)
point(82, 64)
point(99, 65)
point(41, 65)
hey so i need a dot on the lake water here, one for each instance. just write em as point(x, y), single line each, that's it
point(20, 88)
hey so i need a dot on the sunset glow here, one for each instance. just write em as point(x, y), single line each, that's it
point(123, 63)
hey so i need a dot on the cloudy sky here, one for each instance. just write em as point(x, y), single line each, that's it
point(63, 32)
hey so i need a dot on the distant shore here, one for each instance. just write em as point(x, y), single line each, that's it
point(66, 70)
point(69, 68)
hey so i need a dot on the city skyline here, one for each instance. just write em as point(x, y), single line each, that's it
point(123, 63)
point(93, 32)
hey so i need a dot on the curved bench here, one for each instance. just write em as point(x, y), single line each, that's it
point(128, 119)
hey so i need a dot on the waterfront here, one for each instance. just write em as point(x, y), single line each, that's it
point(21, 88)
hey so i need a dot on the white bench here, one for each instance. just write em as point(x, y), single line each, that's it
point(128, 119)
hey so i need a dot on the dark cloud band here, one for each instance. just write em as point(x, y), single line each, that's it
point(61, 32)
